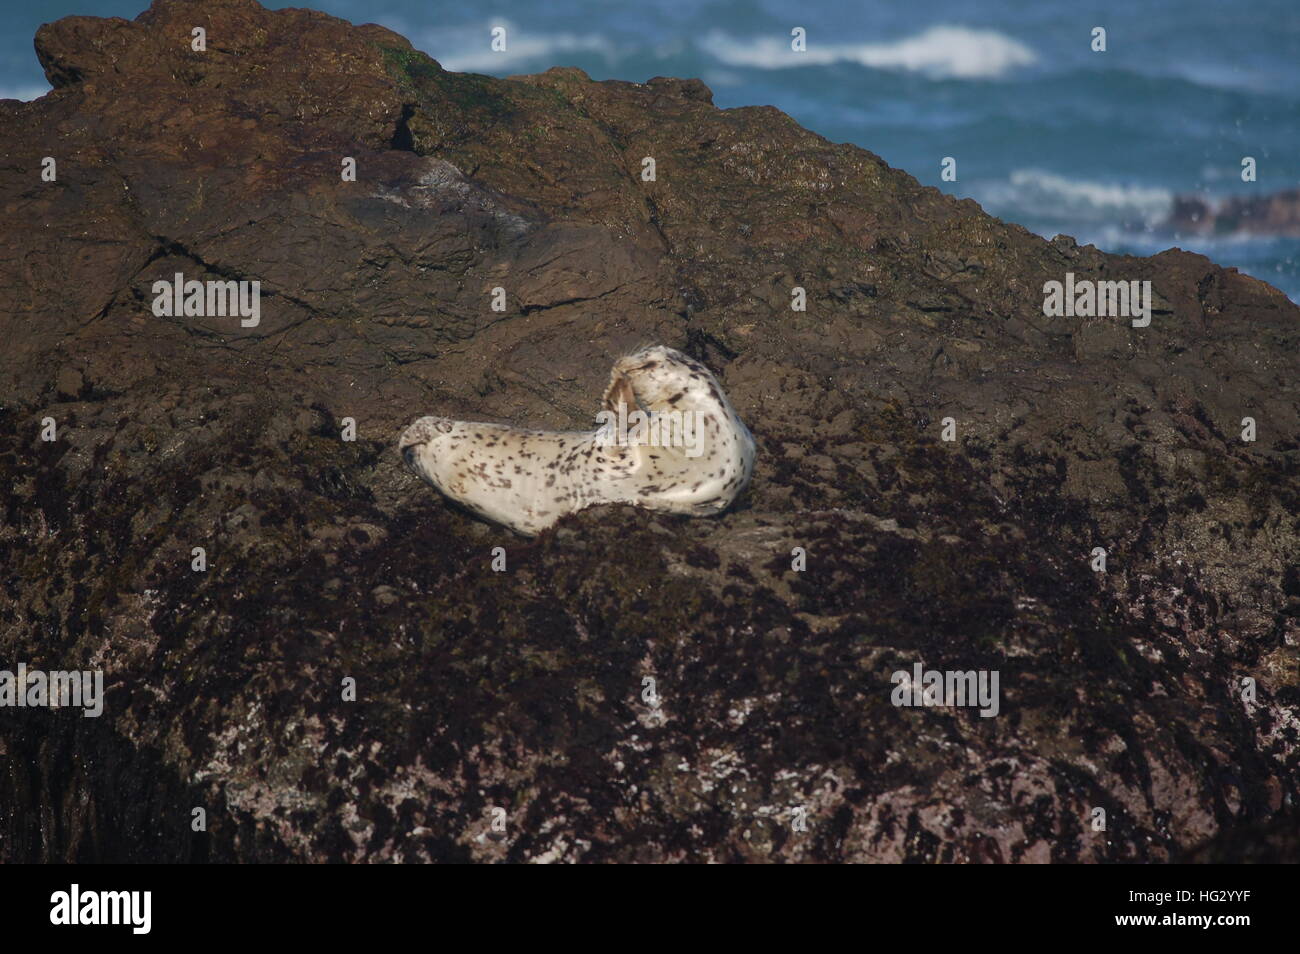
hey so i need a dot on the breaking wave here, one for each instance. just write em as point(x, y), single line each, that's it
point(945, 52)
point(468, 49)
point(1034, 193)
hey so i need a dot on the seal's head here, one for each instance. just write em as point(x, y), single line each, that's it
point(664, 379)
point(421, 439)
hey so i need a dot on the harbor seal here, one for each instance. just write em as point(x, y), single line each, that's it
point(686, 451)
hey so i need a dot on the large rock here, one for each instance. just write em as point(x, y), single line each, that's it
point(522, 689)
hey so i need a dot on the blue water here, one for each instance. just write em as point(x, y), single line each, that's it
point(1045, 131)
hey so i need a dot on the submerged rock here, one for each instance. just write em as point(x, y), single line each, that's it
point(350, 678)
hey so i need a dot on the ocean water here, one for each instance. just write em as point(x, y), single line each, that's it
point(1045, 131)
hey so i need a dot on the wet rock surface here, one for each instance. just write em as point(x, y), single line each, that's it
point(523, 689)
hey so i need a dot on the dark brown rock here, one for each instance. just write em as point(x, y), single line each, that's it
point(523, 689)
point(1276, 214)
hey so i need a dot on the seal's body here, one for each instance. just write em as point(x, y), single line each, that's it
point(687, 451)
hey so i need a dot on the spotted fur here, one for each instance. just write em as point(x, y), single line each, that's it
point(526, 480)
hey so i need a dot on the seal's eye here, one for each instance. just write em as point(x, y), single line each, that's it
point(408, 454)
point(446, 427)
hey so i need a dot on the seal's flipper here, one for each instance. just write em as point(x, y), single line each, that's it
point(620, 392)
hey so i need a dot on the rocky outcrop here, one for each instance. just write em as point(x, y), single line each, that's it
point(524, 690)
point(1276, 214)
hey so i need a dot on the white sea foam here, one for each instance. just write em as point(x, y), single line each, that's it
point(469, 49)
point(1035, 192)
point(941, 51)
